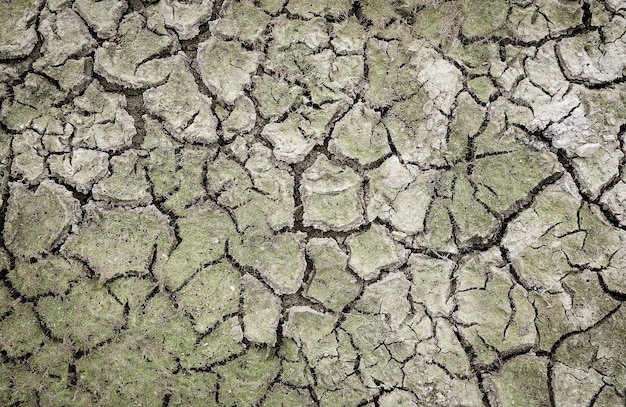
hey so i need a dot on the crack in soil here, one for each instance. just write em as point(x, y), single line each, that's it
point(353, 203)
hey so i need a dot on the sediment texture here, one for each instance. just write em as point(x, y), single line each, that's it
point(329, 203)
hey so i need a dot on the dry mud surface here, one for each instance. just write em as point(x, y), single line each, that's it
point(298, 202)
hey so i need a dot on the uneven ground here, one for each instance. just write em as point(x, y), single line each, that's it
point(334, 203)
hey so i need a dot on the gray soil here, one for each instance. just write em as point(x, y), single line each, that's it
point(313, 203)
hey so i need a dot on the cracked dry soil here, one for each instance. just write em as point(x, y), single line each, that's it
point(297, 202)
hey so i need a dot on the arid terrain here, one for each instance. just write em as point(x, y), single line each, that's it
point(313, 203)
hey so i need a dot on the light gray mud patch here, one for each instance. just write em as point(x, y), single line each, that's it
point(313, 203)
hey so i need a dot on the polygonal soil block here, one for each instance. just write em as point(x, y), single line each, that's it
point(37, 221)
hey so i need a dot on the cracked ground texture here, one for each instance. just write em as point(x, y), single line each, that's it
point(326, 203)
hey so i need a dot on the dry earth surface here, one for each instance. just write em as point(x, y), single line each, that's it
point(313, 202)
